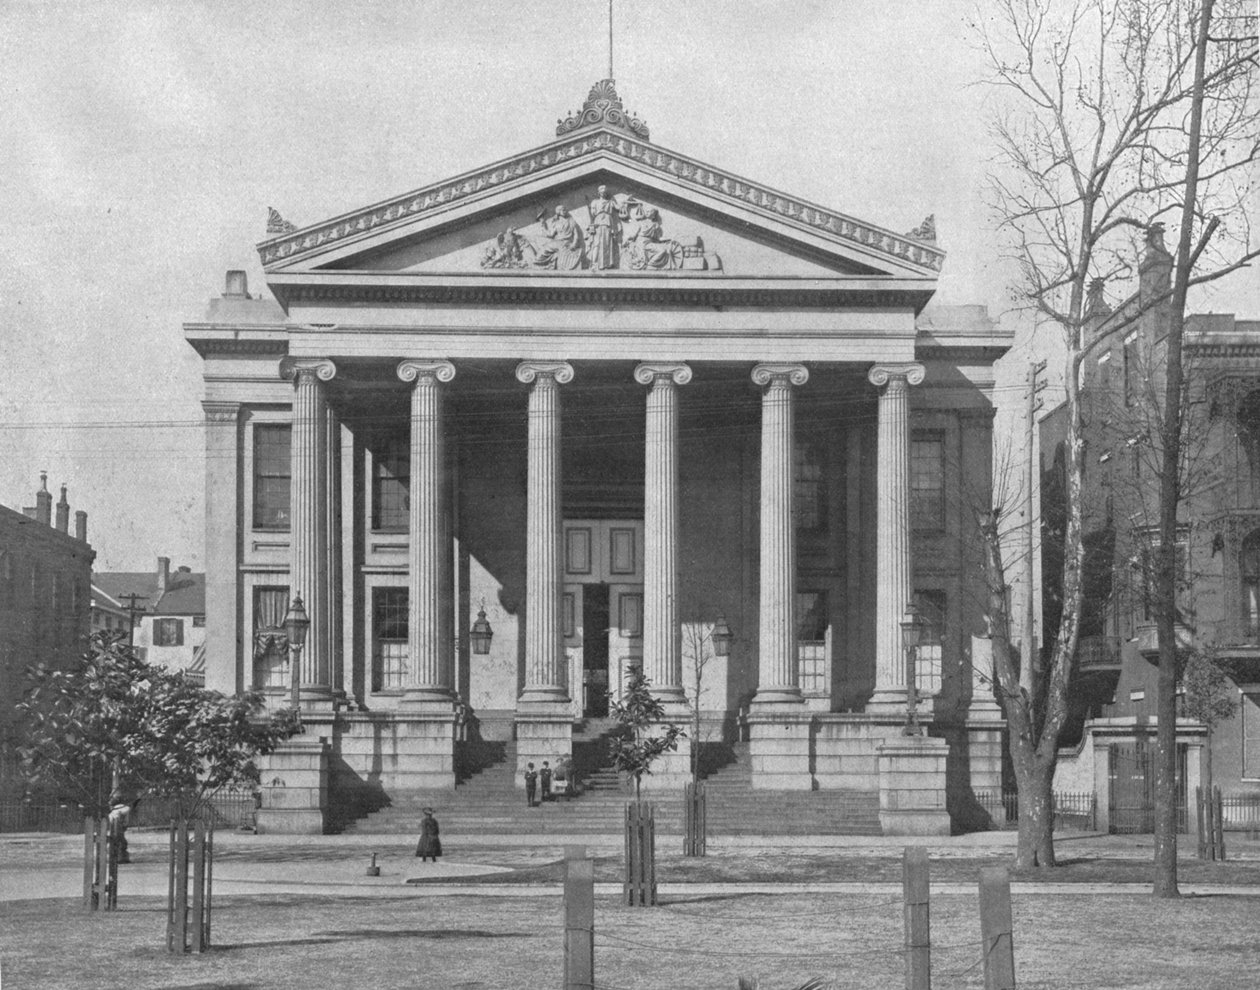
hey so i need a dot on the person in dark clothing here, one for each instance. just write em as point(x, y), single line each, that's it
point(430, 846)
point(531, 784)
point(545, 778)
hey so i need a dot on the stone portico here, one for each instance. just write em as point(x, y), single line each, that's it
point(609, 396)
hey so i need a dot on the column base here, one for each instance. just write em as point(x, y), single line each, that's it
point(543, 732)
point(424, 746)
point(294, 786)
point(778, 746)
point(887, 701)
point(912, 786)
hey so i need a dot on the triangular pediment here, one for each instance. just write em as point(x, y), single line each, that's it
point(541, 214)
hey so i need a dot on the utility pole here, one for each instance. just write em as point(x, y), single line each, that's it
point(1028, 639)
point(130, 600)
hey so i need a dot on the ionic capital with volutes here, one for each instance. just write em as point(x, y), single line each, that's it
point(881, 374)
point(297, 369)
point(649, 372)
point(792, 374)
point(560, 372)
point(416, 370)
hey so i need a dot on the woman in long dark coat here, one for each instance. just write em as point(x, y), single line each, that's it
point(429, 846)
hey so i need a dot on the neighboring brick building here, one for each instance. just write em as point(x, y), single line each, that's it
point(171, 623)
point(1115, 693)
point(45, 574)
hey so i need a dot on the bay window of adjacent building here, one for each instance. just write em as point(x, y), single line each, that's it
point(927, 480)
point(272, 475)
point(271, 643)
point(1250, 571)
point(390, 652)
point(391, 485)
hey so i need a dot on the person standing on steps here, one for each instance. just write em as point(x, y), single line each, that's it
point(545, 777)
point(430, 845)
point(531, 784)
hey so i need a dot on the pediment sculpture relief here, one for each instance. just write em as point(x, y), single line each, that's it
point(621, 234)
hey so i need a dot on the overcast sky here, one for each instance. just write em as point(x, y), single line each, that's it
point(144, 141)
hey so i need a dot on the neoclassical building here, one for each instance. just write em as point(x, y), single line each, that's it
point(597, 399)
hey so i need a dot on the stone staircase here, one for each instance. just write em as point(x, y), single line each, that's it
point(487, 800)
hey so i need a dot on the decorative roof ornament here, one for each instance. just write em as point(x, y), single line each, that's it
point(926, 231)
point(603, 106)
point(276, 224)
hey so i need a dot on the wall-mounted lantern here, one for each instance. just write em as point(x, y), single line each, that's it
point(296, 623)
point(721, 637)
point(481, 633)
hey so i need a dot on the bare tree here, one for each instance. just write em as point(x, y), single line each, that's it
point(1093, 117)
point(697, 650)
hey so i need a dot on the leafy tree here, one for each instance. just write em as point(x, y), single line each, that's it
point(1210, 698)
point(634, 750)
point(112, 727)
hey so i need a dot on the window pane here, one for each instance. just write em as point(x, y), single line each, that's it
point(932, 611)
point(810, 491)
point(271, 476)
point(390, 653)
point(927, 481)
point(392, 484)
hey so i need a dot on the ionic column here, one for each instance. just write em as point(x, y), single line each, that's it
point(778, 665)
point(308, 523)
point(892, 560)
point(428, 675)
point(662, 636)
point(543, 577)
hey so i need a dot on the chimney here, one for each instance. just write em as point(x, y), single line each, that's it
point(43, 501)
point(163, 574)
point(1155, 272)
point(80, 526)
point(237, 285)
point(63, 513)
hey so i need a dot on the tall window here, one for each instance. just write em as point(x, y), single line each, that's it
point(390, 654)
point(929, 661)
point(1132, 375)
point(392, 485)
point(810, 491)
point(271, 476)
point(168, 632)
point(1251, 586)
point(811, 641)
point(1249, 439)
point(271, 644)
point(927, 481)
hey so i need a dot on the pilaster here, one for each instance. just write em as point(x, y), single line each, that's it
point(226, 669)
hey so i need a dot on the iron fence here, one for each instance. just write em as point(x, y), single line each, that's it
point(228, 807)
point(1241, 813)
point(1072, 810)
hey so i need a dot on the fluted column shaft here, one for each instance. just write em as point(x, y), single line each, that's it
point(428, 637)
point(778, 664)
point(308, 525)
point(662, 636)
point(543, 576)
point(892, 559)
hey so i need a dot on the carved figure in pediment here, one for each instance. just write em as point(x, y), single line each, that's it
point(645, 244)
point(507, 250)
point(564, 250)
point(603, 234)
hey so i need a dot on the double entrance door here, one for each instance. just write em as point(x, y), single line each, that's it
point(602, 609)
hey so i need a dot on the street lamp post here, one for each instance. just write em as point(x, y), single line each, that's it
point(296, 623)
point(911, 630)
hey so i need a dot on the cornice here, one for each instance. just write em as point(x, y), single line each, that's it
point(289, 247)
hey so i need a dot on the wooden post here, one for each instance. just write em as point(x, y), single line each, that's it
point(113, 841)
point(996, 937)
point(100, 881)
point(916, 887)
point(199, 886)
point(694, 840)
point(579, 924)
point(1201, 843)
point(209, 881)
point(179, 906)
point(170, 891)
point(1218, 808)
point(89, 860)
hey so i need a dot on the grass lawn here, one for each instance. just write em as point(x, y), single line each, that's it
point(468, 942)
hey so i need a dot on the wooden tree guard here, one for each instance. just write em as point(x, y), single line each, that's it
point(188, 904)
point(579, 923)
point(695, 824)
point(640, 884)
point(1218, 822)
point(1211, 824)
point(996, 937)
point(100, 865)
point(916, 891)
